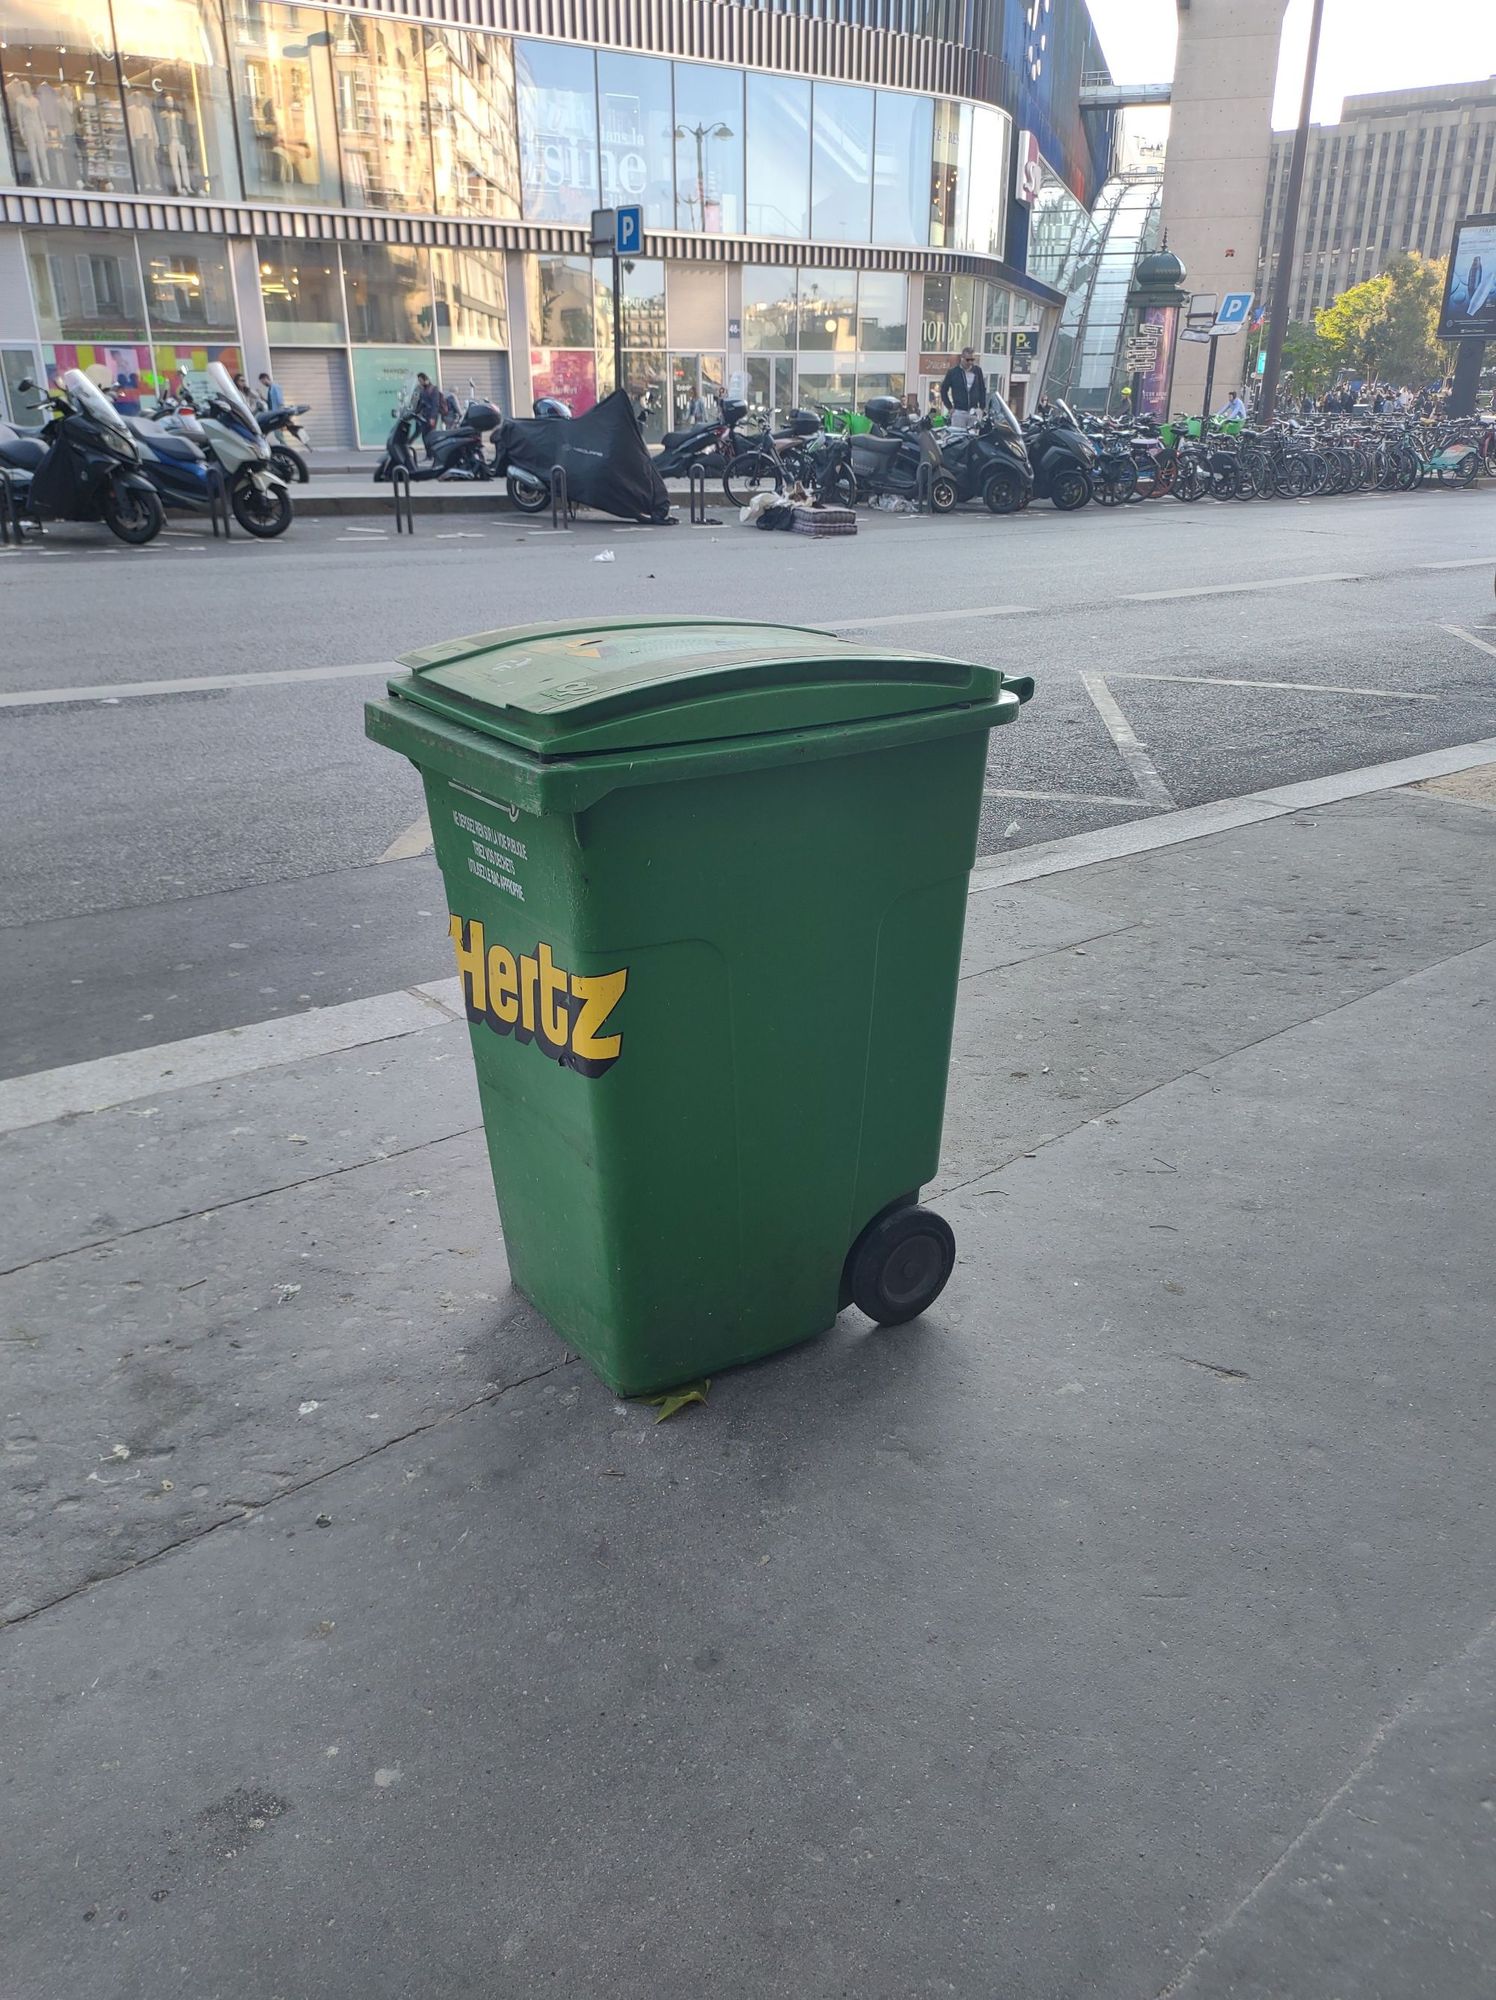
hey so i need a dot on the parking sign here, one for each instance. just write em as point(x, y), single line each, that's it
point(630, 237)
point(1231, 314)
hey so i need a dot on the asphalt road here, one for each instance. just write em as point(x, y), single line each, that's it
point(188, 858)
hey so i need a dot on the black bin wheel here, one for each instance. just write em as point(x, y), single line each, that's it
point(900, 1263)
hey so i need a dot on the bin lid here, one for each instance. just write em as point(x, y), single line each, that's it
point(562, 690)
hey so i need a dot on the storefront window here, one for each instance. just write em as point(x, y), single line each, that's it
point(388, 288)
point(883, 311)
point(874, 379)
point(636, 156)
point(770, 387)
point(830, 388)
point(303, 296)
point(708, 149)
point(470, 81)
point(86, 285)
point(642, 285)
point(379, 86)
point(562, 301)
point(283, 89)
point(769, 307)
point(470, 304)
point(828, 311)
point(177, 115)
point(62, 92)
point(570, 373)
point(556, 87)
point(841, 164)
point(646, 378)
point(187, 285)
point(778, 127)
point(696, 299)
point(950, 164)
point(901, 168)
point(383, 380)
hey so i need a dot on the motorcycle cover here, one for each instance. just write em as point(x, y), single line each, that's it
point(607, 463)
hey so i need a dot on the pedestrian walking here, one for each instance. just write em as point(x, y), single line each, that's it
point(270, 393)
point(428, 409)
point(964, 390)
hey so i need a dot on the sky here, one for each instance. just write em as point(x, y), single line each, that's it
point(1364, 45)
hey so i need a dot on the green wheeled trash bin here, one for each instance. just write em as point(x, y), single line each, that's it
point(707, 880)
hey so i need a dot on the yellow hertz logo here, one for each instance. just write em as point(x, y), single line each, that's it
point(536, 1000)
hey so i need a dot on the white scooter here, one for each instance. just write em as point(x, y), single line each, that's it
point(225, 426)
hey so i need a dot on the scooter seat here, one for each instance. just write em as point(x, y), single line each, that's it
point(167, 444)
point(22, 454)
point(868, 450)
point(672, 438)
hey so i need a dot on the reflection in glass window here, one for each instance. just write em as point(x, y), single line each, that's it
point(470, 305)
point(62, 92)
point(379, 87)
point(778, 127)
point(646, 378)
point(302, 294)
point(283, 89)
point(636, 157)
point(642, 283)
point(901, 168)
point(832, 388)
point(86, 285)
point(556, 87)
point(563, 302)
point(841, 163)
point(470, 80)
point(828, 311)
point(875, 378)
point(187, 286)
point(981, 226)
point(570, 373)
point(708, 149)
point(770, 307)
point(951, 162)
point(883, 311)
point(177, 114)
point(388, 288)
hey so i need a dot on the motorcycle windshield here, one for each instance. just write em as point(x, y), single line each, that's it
point(1000, 414)
point(227, 389)
point(90, 399)
point(1063, 414)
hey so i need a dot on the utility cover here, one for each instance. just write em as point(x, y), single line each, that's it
point(565, 690)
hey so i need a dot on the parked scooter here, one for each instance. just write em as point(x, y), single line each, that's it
point(1064, 459)
point(175, 462)
point(527, 493)
point(990, 459)
point(84, 465)
point(887, 459)
point(713, 446)
point(454, 454)
point(258, 495)
point(280, 428)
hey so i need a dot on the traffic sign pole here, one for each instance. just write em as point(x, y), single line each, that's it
point(1210, 375)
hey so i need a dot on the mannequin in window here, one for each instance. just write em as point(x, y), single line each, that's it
point(145, 140)
point(174, 147)
point(30, 131)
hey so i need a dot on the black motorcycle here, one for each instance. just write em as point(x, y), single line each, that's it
point(990, 459)
point(718, 448)
point(1064, 459)
point(287, 441)
point(457, 453)
point(84, 465)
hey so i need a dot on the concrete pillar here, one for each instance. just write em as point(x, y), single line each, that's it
point(254, 338)
point(520, 383)
point(1215, 170)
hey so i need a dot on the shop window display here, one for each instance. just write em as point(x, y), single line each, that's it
point(177, 112)
point(62, 96)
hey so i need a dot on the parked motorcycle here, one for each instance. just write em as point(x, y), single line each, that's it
point(175, 460)
point(1064, 458)
point(457, 453)
point(887, 459)
point(714, 446)
point(83, 466)
point(990, 459)
point(527, 493)
point(279, 428)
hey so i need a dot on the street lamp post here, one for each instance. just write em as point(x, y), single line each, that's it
point(701, 133)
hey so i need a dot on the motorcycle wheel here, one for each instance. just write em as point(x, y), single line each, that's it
point(749, 473)
point(289, 466)
point(526, 497)
point(944, 493)
point(1070, 491)
point(136, 517)
point(1002, 495)
point(265, 513)
point(837, 488)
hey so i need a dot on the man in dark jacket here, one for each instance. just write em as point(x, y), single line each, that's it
point(964, 388)
point(428, 409)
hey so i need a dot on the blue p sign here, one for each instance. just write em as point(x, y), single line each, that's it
point(630, 237)
point(1231, 314)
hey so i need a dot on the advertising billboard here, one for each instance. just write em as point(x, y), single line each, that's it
point(1469, 311)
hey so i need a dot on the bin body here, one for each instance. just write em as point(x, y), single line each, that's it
point(710, 1014)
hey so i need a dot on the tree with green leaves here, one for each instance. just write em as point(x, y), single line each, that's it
point(1308, 359)
point(1384, 327)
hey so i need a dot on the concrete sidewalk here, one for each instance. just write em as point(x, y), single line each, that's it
point(1123, 1628)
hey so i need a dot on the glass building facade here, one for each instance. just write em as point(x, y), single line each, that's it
point(346, 196)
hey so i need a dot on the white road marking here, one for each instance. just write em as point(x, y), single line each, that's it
point(1460, 633)
point(1465, 562)
point(1133, 755)
point(416, 839)
point(195, 684)
point(1226, 589)
point(926, 617)
point(79, 1088)
point(1075, 798)
point(1295, 687)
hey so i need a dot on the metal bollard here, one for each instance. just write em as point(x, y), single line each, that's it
point(560, 499)
point(405, 511)
point(924, 479)
point(218, 503)
point(696, 481)
point(10, 516)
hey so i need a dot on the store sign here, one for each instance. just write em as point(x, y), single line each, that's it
point(1025, 351)
point(1030, 183)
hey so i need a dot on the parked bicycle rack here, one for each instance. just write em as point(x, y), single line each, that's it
point(923, 482)
point(696, 481)
point(218, 503)
point(560, 499)
point(10, 515)
point(405, 512)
